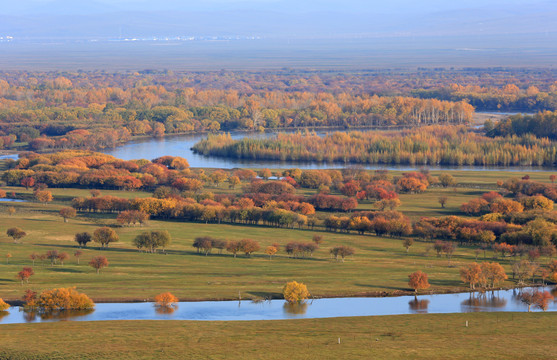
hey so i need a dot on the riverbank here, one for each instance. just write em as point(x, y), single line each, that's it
point(487, 336)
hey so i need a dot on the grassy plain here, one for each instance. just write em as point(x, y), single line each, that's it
point(438, 336)
point(380, 264)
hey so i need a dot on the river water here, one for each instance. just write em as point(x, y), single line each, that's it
point(504, 300)
point(181, 145)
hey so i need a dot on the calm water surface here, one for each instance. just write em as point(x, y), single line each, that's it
point(181, 146)
point(279, 310)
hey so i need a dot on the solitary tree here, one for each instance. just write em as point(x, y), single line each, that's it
point(11, 210)
point(166, 300)
point(318, 239)
point(418, 281)
point(105, 236)
point(407, 243)
point(295, 292)
point(8, 256)
point(98, 262)
point(442, 201)
point(83, 238)
point(77, 255)
point(67, 213)
point(16, 233)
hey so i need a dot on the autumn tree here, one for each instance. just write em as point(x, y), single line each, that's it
point(233, 247)
point(166, 300)
point(11, 210)
point(492, 274)
point(528, 297)
point(63, 256)
point(25, 274)
point(132, 217)
point(151, 240)
point(105, 236)
point(317, 239)
point(342, 251)
point(447, 180)
point(83, 238)
point(542, 300)
point(407, 243)
point(77, 255)
point(16, 233)
point(67, 213)
point(28, 182)
point(418, 281)
point(271, 250)
point(52, 255)
point(61, 299)
point(443, 201)
point(471, 274)
point(43, 196)
point(295, 292)
point(249, 246)
point(3, 305)
point(34, 256)
point(98, 262)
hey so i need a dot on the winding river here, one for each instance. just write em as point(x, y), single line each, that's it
point(180, 145)
point(503, 300)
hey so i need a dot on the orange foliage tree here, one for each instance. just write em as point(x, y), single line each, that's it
point(295, 292)
point(418, 281)
point(98, 262)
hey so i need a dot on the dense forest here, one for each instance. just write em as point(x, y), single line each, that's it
point(542, 124)
point(94, 110)
point(432, 145)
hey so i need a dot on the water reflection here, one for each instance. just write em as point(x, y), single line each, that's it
point(419, 306)
point(181, 145)
point(165, 310)
point(30, 315)
point(483, 301)
point(295, 309)
point(503, 300)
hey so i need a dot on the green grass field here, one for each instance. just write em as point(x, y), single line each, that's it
point(380, 265)
point(488, 336)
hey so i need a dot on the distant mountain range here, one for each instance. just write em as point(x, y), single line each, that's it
point(103, 19)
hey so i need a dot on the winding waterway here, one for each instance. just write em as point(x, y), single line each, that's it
point(504, 300)
point(181, 145)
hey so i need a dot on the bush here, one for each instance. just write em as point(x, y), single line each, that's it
point(295, 292)
point(61, 299)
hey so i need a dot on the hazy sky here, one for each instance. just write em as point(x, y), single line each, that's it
point(275, 18)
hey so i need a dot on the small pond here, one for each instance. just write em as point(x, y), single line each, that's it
point(504, 300)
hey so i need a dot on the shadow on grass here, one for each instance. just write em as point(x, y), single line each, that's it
point(380, 286)
point(267, 295)
point(64, 270)
point(447, 283)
